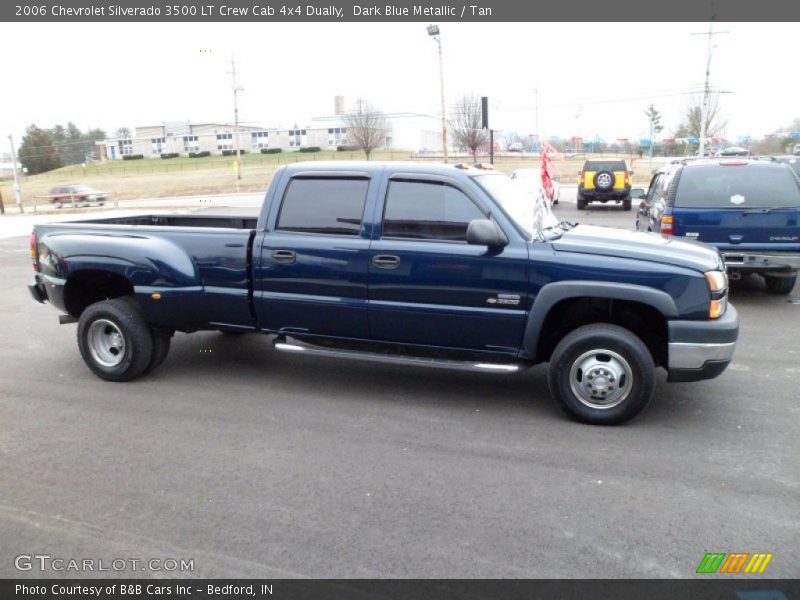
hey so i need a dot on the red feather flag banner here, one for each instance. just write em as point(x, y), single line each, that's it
point(547, 182)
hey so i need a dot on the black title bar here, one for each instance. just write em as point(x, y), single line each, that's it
point(243, 11)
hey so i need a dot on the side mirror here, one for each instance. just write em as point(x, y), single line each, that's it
point(630, 173)
point(484, 232)
point(637, 193)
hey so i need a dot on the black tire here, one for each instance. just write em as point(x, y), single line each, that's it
point(124, 319)
point(626, 204)
point(604, 183)
point(161, 342)
point(780, 285)
point(633, 375)
point(581, 202)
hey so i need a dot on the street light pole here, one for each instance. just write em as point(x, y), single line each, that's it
point(236, 89)
point(706, 87)
point(433, 31)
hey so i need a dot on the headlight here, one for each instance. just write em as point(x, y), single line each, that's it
point(718, 286)
point(717, 281)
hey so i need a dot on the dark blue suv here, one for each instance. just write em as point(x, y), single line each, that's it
point(747, 208)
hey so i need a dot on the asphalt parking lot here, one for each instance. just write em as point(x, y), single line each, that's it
point(259, 464)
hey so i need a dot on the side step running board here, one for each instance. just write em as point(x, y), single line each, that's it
point(416, 361)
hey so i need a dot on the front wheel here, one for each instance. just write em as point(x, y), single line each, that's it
point(602, 374)
point(115, 340)
point(780, 285)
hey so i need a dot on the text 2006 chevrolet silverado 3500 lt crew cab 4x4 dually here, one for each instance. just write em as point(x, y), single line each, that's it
point(433, 265)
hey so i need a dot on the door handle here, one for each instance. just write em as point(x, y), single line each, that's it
point(284, 256)
point(386, 261)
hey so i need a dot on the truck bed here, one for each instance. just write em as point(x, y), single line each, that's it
point(198, 264)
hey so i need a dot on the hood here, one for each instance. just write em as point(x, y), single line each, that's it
point(653, 247)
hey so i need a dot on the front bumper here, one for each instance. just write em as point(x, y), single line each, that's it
point(37, 290)
point(701, 349)
point(755, 261)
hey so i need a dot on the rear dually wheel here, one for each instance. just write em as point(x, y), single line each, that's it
point(115, 341)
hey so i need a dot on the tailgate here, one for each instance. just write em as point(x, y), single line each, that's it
point(778, 229)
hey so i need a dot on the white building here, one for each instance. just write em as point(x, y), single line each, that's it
point(185, 138)
point(412, 132)
point(7, 167)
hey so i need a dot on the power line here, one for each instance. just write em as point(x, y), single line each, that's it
point(579, 103)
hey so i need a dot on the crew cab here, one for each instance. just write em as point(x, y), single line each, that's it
point(747, 208)
point(423, 264)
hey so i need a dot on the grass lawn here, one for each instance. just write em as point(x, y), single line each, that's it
point(183, 176)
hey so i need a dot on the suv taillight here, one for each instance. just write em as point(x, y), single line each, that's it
point(580, 177)
point(666, 225)
point(34, 252)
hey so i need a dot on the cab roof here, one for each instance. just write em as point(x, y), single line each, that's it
point(374, 167)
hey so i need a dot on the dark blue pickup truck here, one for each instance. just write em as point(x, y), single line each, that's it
point(747, 208)
point(425, 264)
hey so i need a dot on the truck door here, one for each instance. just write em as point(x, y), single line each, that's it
point(427, 285)
point(311, 276)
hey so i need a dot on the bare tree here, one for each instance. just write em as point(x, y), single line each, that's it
point(122, 133)
point(466, 125)
point(366, 127)
point(692, 125)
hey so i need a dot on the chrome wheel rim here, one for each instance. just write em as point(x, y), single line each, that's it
point(106, 343)
point(601, 379)
point(604, 180)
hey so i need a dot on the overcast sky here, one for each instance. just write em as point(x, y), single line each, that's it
point(593, 79)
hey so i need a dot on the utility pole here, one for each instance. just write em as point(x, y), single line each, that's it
point(433, 31)
point(707, 85)
point(236, 89)
point(536, 93)
point(17, 195)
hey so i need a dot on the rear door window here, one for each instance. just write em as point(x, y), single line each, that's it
point(747, 186)
point(651, 193)
point(605, 165)
point(331, 206)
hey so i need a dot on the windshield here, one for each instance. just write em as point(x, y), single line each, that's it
point(520, 200)
point(732, 186)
